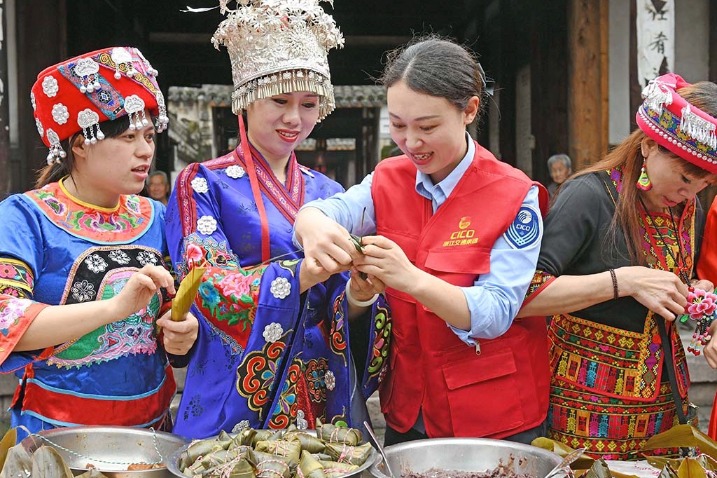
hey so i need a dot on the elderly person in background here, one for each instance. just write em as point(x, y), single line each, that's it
point(560, 167)
point(158, 186)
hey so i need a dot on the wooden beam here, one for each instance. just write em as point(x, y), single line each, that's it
point(605, 75)
point(587, 133)
point(635, 86)
point(5, 186)
point(713, 42)
point(41, 42)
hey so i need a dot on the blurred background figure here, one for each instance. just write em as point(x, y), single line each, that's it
point(560, 167)
point(158, 186)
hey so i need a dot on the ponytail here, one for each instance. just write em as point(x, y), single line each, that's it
point(58, 169)
point(51, 174)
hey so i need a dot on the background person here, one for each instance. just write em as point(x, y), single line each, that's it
point(158, 186)
point(82, 281)
point(616, 262)
point(274, 346)
point(454, 275)
point(560, 168)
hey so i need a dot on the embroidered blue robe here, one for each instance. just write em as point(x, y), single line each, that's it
point(266, 356)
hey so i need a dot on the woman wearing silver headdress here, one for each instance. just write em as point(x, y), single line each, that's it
point(273, 347)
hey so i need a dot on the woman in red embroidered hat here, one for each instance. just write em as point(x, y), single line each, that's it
point(82, 279)
point(272, 350)
point(616, 269)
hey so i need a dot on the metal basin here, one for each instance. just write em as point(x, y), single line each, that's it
point(362, 471)
point(110, 449)
point(466, 454)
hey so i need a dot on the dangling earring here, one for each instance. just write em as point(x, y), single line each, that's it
point(643, 182)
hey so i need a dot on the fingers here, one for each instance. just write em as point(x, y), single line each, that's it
point(160, 276)
point(378, 285)
point(144, 281)
point(672, 307)
point(333, 259)
point(361, 288)
point(178, 337)
point(334, 252)
point(379, 241)
point(314, 268)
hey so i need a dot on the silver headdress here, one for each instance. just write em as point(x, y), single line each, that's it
point(278, 46)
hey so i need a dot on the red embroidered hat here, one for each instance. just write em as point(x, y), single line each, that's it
point(677, 125)
point(82, 92)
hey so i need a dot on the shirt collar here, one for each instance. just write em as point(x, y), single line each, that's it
point(424, 185)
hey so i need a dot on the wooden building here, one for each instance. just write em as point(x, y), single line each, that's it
point(565, 72)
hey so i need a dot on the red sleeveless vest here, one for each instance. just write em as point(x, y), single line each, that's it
point(503, 389)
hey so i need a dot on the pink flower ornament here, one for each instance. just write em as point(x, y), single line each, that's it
point(701, 306)
point(195, 255)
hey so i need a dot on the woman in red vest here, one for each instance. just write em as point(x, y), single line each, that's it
point(454, 236)
point(615, 268)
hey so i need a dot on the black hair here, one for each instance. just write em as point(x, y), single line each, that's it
point(438, 67)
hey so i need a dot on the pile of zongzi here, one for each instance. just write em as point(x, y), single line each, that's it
point(331, 452)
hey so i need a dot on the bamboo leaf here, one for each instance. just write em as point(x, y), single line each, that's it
point(186, 293)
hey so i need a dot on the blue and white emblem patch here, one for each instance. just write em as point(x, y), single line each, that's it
point(525, 230)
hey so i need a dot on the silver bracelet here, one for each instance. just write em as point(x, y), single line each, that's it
point(358, 303)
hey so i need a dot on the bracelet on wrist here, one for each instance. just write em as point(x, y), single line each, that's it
point(615, 290)
point(355, 302)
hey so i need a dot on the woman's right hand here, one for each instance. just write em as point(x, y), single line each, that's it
point(328, 247)
point(139, 290)
point(310, 276)
point(660, 291)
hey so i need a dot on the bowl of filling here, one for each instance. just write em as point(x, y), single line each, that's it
point(465, 458)
point(117, 452)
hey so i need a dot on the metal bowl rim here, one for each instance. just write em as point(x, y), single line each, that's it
point(31, 443)
point(471, 441)
point(495, 443)
point(111, 429)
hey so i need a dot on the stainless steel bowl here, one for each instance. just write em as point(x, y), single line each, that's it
point(362, 471)
point(110, 449)
point(465, 454)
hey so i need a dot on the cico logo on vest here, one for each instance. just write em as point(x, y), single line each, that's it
point(525, 229)
point(463, 236)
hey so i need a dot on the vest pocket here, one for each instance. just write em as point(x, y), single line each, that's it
point(469, 261)
point(482, 393)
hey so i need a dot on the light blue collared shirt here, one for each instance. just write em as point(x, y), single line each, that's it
point(495, 297)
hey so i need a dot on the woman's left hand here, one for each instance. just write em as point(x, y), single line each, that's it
point(178, 337)
point(385, 260)
point(364, 289)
